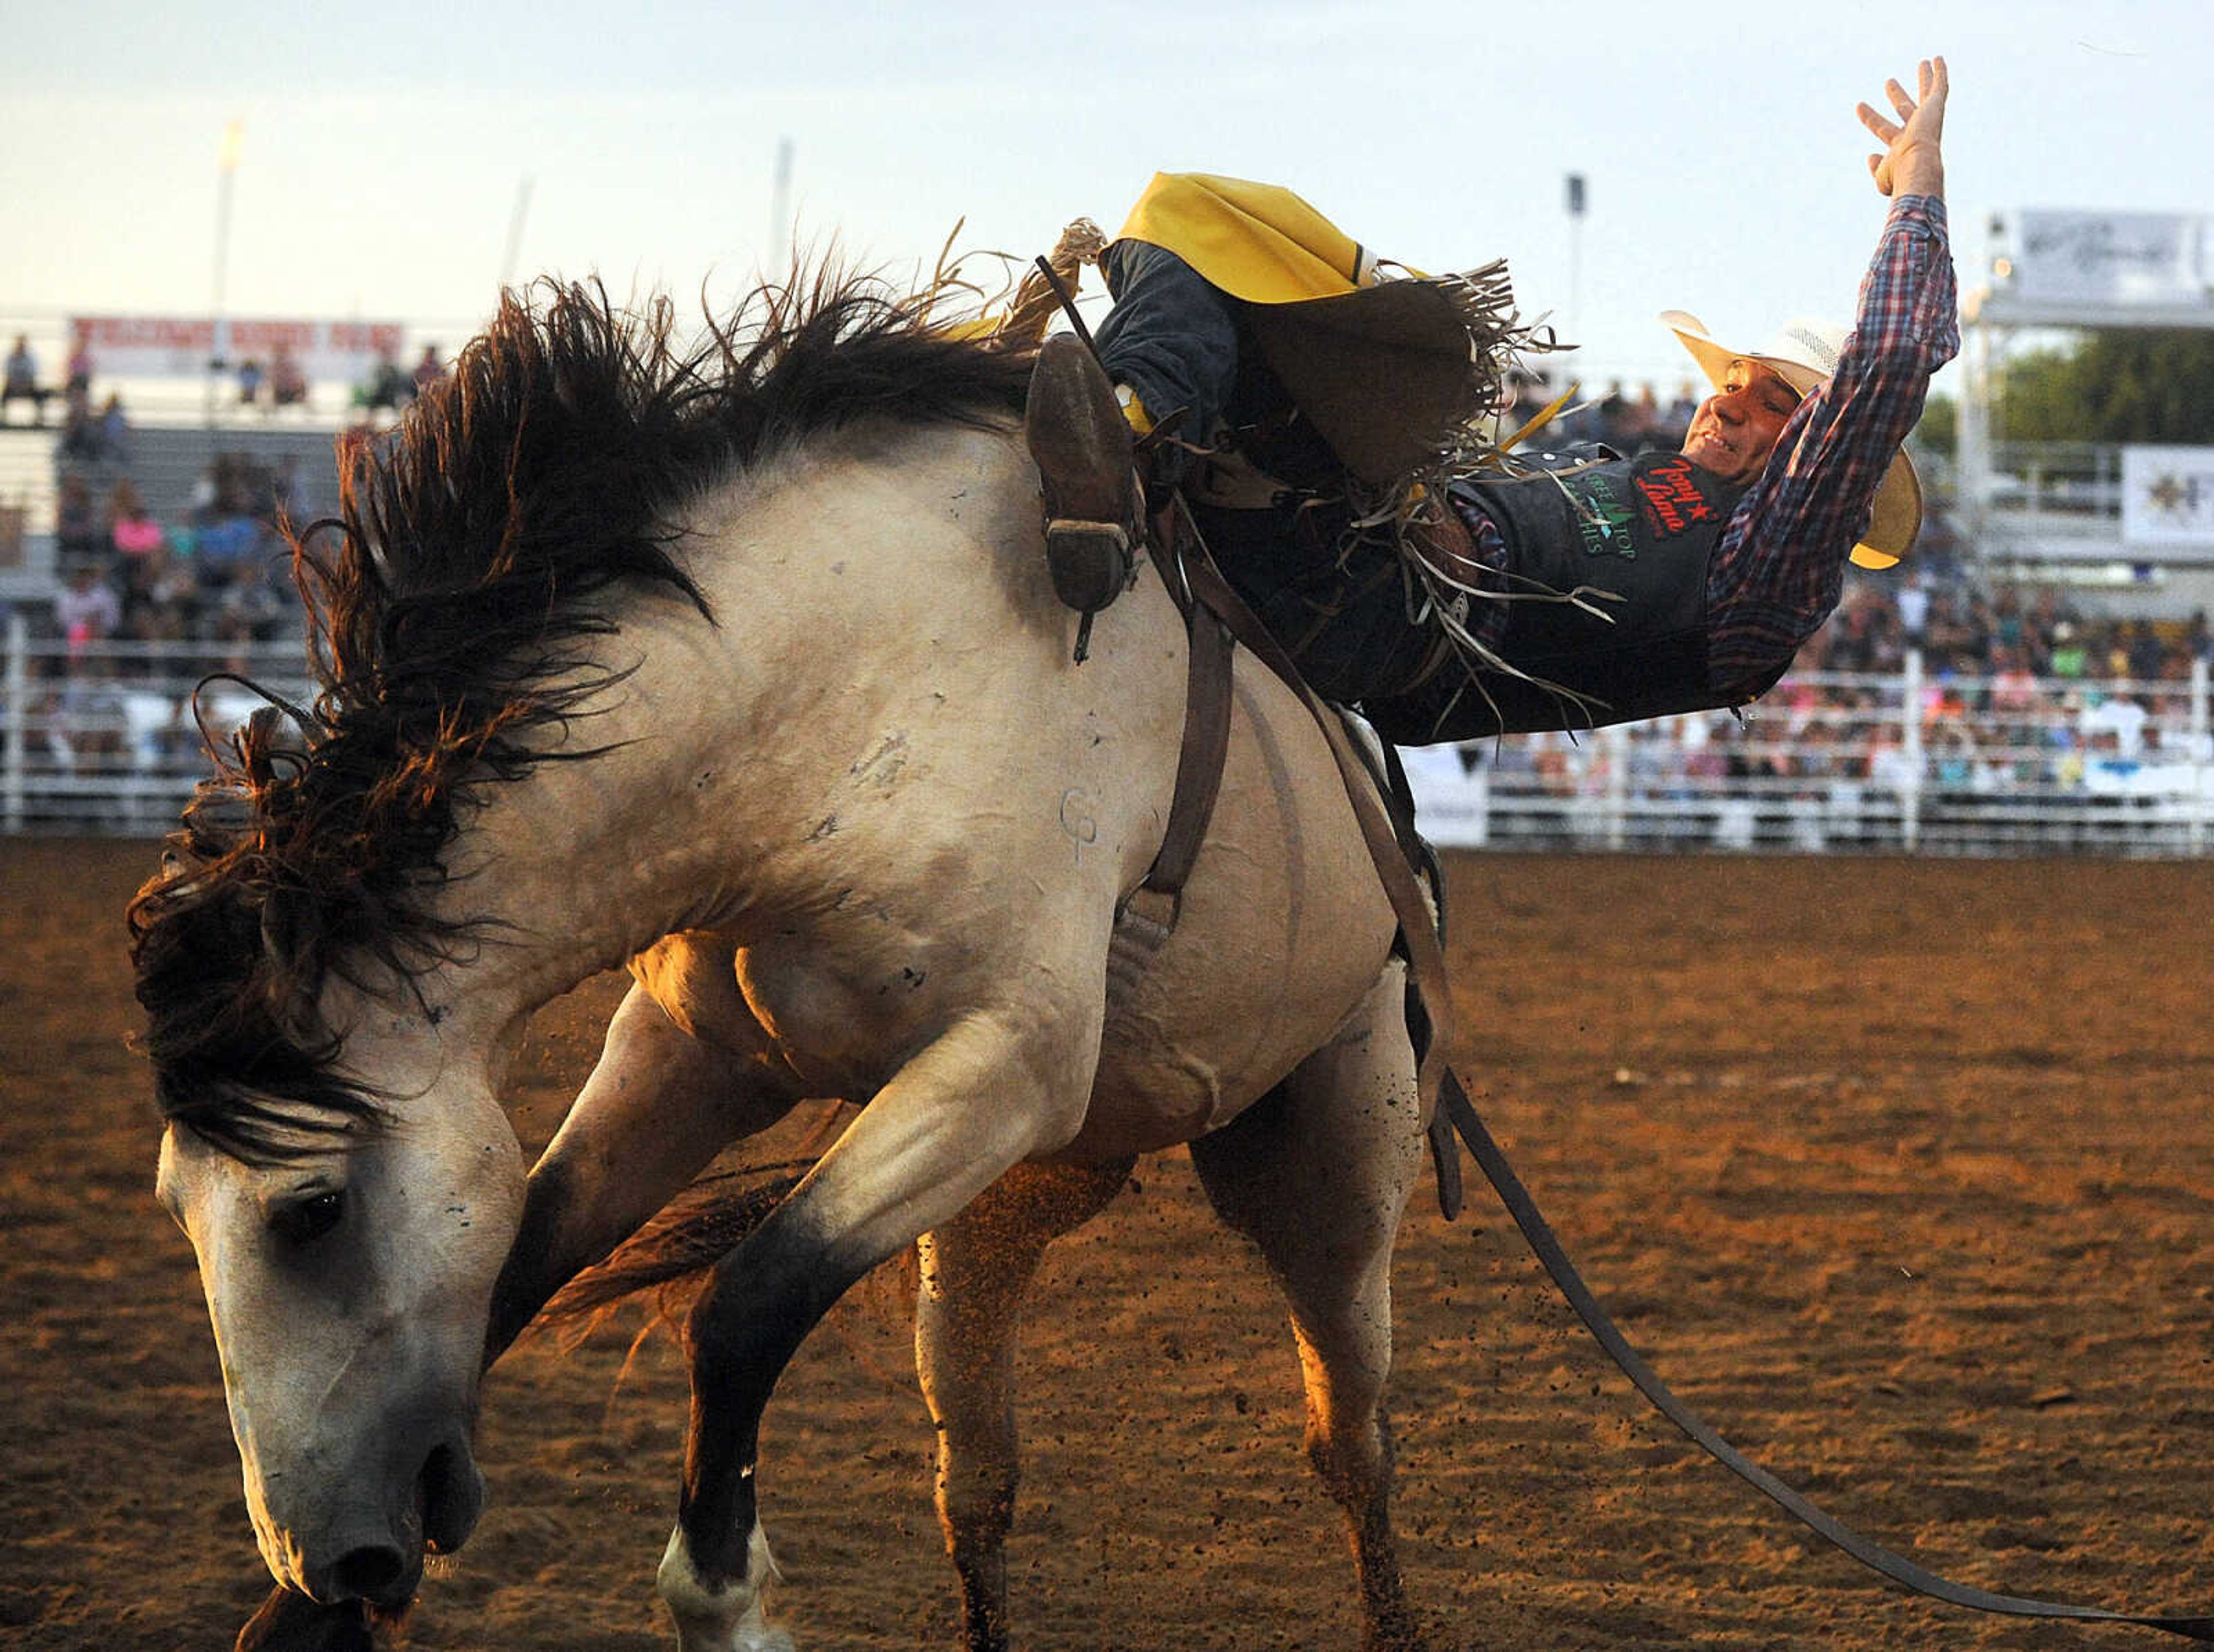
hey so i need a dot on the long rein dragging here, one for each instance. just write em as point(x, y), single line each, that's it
point(1217, 619)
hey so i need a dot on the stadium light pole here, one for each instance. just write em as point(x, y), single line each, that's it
point(517, 217)
point(226, 176)
point(1575, 205)
point(780, 210)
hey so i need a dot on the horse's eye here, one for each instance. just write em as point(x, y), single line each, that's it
point(302, 1221)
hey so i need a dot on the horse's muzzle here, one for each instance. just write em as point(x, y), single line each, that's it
point(378, 1557)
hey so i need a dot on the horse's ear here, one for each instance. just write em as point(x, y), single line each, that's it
point(277, 728)
point(273, 736)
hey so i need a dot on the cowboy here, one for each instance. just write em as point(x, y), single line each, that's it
point(1572, 594)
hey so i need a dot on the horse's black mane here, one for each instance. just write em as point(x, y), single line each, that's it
point(475, 545)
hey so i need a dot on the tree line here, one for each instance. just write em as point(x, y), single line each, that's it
point(2153, 385)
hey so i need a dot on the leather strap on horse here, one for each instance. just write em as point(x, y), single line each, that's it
point(1453, 1102)
point(1426, 959)
point(1148, 915)
point(1203, 582)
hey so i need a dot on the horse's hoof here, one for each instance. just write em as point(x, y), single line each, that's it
point(290, 1622)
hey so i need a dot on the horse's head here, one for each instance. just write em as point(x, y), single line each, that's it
point(348, 1262)
point(348, 1266)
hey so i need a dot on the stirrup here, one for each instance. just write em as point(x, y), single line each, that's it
point(1082, 446)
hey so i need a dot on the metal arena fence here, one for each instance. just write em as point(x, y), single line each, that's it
point(1894, 762)
point(110, 737)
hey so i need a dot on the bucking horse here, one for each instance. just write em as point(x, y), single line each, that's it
point(737, 663)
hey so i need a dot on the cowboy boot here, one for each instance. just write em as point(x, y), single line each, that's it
point(1081, 443)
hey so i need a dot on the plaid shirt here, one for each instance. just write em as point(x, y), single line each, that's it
point(1780, 567)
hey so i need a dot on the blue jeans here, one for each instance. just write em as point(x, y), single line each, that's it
point(1170, 336)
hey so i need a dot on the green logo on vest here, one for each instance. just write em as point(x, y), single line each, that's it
point(1602, 518)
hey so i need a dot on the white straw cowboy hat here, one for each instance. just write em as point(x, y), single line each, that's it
point(1803, 353)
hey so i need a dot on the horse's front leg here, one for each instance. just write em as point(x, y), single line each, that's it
point(984, 1095)
point(658, 1106)
point(975, 1270)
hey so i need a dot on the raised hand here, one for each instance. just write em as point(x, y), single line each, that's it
point(1913, 161)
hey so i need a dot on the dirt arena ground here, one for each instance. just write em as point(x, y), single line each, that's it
point(1900, 1172)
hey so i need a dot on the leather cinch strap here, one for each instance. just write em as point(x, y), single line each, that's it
point(1426, 959)
point(1148, 915)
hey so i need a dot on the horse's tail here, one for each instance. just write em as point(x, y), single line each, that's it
point(672, 1252)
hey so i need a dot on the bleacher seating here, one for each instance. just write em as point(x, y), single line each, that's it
point(168, 463)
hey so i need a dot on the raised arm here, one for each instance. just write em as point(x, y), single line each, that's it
point(1913, 160)
point(1780, 568)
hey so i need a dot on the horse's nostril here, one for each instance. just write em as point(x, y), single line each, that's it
point(369, 1573)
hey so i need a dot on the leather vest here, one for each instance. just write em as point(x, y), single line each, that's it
point(1642, 528)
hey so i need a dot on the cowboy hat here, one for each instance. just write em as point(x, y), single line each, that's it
point(1804, 354)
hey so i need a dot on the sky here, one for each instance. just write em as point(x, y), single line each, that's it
point(384, 149)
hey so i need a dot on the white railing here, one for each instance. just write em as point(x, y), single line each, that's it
point(1877, 763)
point(103, 738)
point(107, 737)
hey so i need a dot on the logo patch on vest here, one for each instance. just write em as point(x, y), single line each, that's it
point(1669, 498)
point(1602, 518)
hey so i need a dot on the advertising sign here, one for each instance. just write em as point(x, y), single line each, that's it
point(2111, 258)
point(2168, 495)
point(174, 346)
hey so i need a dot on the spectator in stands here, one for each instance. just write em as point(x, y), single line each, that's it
point(2198, 641)
point(2108, 657)
point(114, 431)
point(226, 533)
point(79, 535)
point(1636, 423)
point(80, 428)
point(86, 611)
point(429, 370)
point(2014, 690)
point(1889, 768)
point(288, 385)
point(388, 387)
point(21, 382)
point(80, 364)
point(2144, 653)
point(132, 531)
point(1605, 423)
point(160, 598)
point(2069, 657)
point(251, 377)
point(87, 725)
point(1912, 596)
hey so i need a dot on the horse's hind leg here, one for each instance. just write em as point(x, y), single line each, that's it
point(974, 1271)
point(1317, 1175)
